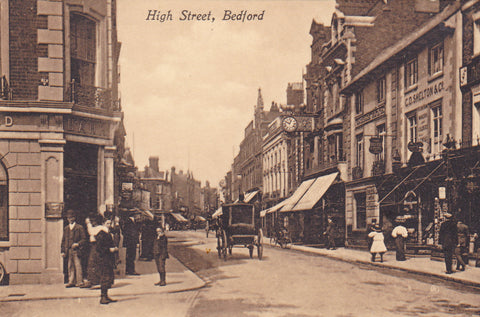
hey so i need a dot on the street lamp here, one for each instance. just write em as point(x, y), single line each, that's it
point(449, 144)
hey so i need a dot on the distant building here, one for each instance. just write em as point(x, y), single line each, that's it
point(247, 168)
point(158, 184)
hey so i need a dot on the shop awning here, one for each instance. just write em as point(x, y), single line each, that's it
point(200, 218)
point(315, 192)
point(297, 195)
point(273, 208)
point(250, 196)
point(179, 217)
point(217, 213)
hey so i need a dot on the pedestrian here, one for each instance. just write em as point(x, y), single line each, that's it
point(461, 251)
point(378, 245)
point(72, 241)
point(330, 234)
point(106, 258)
point(371, 229)
point(130, 241)
point(400, 233)
point(94, 225)
point(147, 237)
point(115, 231)
point(448, 238)
point(160, 253)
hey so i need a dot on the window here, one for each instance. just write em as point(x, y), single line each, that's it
point(335, 147)
point(361, 210)
point(159, 189)
point(412, 129)
point(3, 204)
point(436, 59)
point(82, 50)
point(437, 130)
point(381, 133)
point(476, 37)
point(359, 102)
point(360, 150)
point(411, 73)
point(381, 90)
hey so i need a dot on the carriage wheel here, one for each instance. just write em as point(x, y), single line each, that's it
point(219, 245)
point(259, 244)
point(250, 251)
point(224, 245)
point(288, 243)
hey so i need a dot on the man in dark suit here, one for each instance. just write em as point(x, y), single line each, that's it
point(72, 241)
point(448, 240)
point(130, 241)
point(160, 253)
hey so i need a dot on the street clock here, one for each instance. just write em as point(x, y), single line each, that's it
point(289, 124)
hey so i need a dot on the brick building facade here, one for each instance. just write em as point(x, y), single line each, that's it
point(60, 115)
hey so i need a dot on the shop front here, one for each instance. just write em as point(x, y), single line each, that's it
point(52, 159)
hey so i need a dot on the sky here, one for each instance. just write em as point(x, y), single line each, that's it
point(188, 88)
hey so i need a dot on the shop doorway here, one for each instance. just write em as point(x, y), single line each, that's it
point(80, 179)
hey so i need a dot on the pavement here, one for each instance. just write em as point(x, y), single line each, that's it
point(421, 265)
point(179, 279)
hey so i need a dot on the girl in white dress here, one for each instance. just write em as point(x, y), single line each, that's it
point(378, 246)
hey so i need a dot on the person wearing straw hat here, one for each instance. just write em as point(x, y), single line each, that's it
point(378, 244)
point(448, 239)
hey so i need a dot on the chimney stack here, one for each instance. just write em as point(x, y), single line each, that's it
point(153, 163)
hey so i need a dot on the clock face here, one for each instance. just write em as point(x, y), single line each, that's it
point(289, 124)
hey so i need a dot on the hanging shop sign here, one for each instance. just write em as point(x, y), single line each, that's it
point(376, 145)
point(415, 146)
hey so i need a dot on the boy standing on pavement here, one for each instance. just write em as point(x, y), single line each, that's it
point(160, 253)
point(72, 240)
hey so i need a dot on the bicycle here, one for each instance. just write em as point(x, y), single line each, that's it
point(282, 238)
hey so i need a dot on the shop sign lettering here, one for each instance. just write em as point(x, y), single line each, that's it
point(370, 116)
point(89, 127)
point(428, 92)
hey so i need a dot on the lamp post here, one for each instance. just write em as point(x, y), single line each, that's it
point(449, 144)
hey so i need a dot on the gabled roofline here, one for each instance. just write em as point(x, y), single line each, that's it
point(391, 51)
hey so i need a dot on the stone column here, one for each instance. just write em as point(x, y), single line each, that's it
point(109, 177)
point(52, 202)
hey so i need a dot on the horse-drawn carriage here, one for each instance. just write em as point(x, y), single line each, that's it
point(238, 225)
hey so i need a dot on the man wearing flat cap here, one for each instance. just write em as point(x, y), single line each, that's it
point(72, 241)
point(449, 240)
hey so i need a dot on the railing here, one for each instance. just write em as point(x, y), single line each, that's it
point(91, 96)
point(324, 166)
point(5, 90)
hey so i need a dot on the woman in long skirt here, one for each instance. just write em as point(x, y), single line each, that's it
point(106, 250)
point(93, 272)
